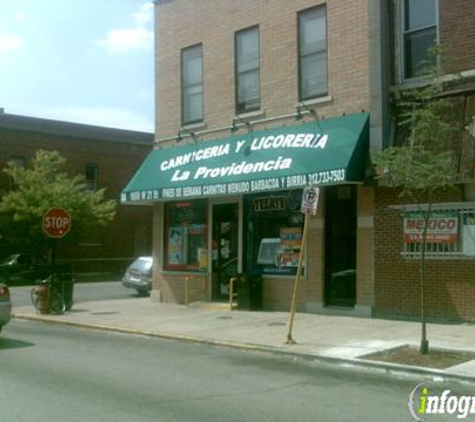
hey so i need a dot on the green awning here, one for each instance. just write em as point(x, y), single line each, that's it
point(328, 152)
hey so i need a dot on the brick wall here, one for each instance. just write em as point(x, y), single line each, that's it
point(457, 31)
point(182, 23)
point(365, 249)
point(450, 285)
point(117, 163)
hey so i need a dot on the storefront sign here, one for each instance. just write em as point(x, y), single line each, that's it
point(331, 152)
point(269, 203)
point(442, 227)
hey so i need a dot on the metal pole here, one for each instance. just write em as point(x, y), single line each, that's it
point(290, 340)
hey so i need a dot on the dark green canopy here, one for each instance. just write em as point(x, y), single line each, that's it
point(328, 152)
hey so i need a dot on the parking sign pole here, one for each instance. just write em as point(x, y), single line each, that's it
point(309, 207)
point(290, 340)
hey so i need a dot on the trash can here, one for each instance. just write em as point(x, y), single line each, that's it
point(249, 292)
point(256, 292)
point(243, 292)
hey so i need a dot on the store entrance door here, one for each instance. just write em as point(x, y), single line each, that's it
point(225, 248)
point(340, 245)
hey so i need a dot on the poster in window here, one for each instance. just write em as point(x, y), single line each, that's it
point(203, 258)
point(289, 259)
point(291, 237)
point(175, 246)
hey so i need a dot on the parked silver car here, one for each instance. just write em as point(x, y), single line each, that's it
point(5, 306)
point(139, 275)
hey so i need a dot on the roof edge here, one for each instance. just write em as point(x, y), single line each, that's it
point(57, 127)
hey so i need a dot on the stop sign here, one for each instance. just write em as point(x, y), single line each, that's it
point(56, 222)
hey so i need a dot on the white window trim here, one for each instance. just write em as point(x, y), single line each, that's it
point(431, 252)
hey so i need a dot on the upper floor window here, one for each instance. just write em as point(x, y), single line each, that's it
point(192, 84)
point(248, 96)
point(313, 53)
point(91, 177)
point(419, 33)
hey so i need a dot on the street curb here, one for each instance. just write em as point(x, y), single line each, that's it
point(389, 368)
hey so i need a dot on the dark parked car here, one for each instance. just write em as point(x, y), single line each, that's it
point(23, 269)
point(17, 269)
point(139, 275)
point(5, 306)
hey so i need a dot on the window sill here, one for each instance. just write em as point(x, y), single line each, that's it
point(194, 126)
point(315, 101)
point(411, 83)
point(250, 114)
point(420, 81)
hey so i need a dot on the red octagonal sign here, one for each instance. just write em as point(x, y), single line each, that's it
point(56, 222)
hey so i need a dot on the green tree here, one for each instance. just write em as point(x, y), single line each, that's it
point(423, 163)
point(43, 186)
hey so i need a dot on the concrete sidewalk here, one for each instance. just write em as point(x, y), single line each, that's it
point(335, 338)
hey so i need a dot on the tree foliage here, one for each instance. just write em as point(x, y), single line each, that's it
point(424, 163)
point(43, 186)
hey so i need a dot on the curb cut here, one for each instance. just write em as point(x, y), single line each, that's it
point(389, 368)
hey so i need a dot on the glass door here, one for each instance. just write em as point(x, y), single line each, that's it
point(340, 245)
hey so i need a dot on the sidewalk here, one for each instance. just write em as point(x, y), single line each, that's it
point(331, 338)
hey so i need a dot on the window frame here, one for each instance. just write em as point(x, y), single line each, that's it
point(95, 182)
point(183, 88)
point(401, 37)
point(237, 73)
point(168, 224)
point(301, 95)
point(273, 212)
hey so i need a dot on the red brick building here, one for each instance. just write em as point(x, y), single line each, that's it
point(234, 80)
point(107, 158)
point(450, 289)
point(237, 78)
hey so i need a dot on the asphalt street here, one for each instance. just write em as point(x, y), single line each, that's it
point(57, 373)
point(83, 292)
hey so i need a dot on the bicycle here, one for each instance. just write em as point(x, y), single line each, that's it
point(46, 292)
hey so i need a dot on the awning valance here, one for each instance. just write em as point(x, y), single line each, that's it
point(328, 152)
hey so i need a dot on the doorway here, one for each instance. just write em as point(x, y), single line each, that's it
point(225, 235)
point(340, 245)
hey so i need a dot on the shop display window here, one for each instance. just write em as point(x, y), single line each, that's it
point(274, 232)
point(186, 234)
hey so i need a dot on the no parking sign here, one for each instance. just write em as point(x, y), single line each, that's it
point(310, 200)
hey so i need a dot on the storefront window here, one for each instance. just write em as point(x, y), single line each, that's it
point(186, 236)
point(274, 232)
